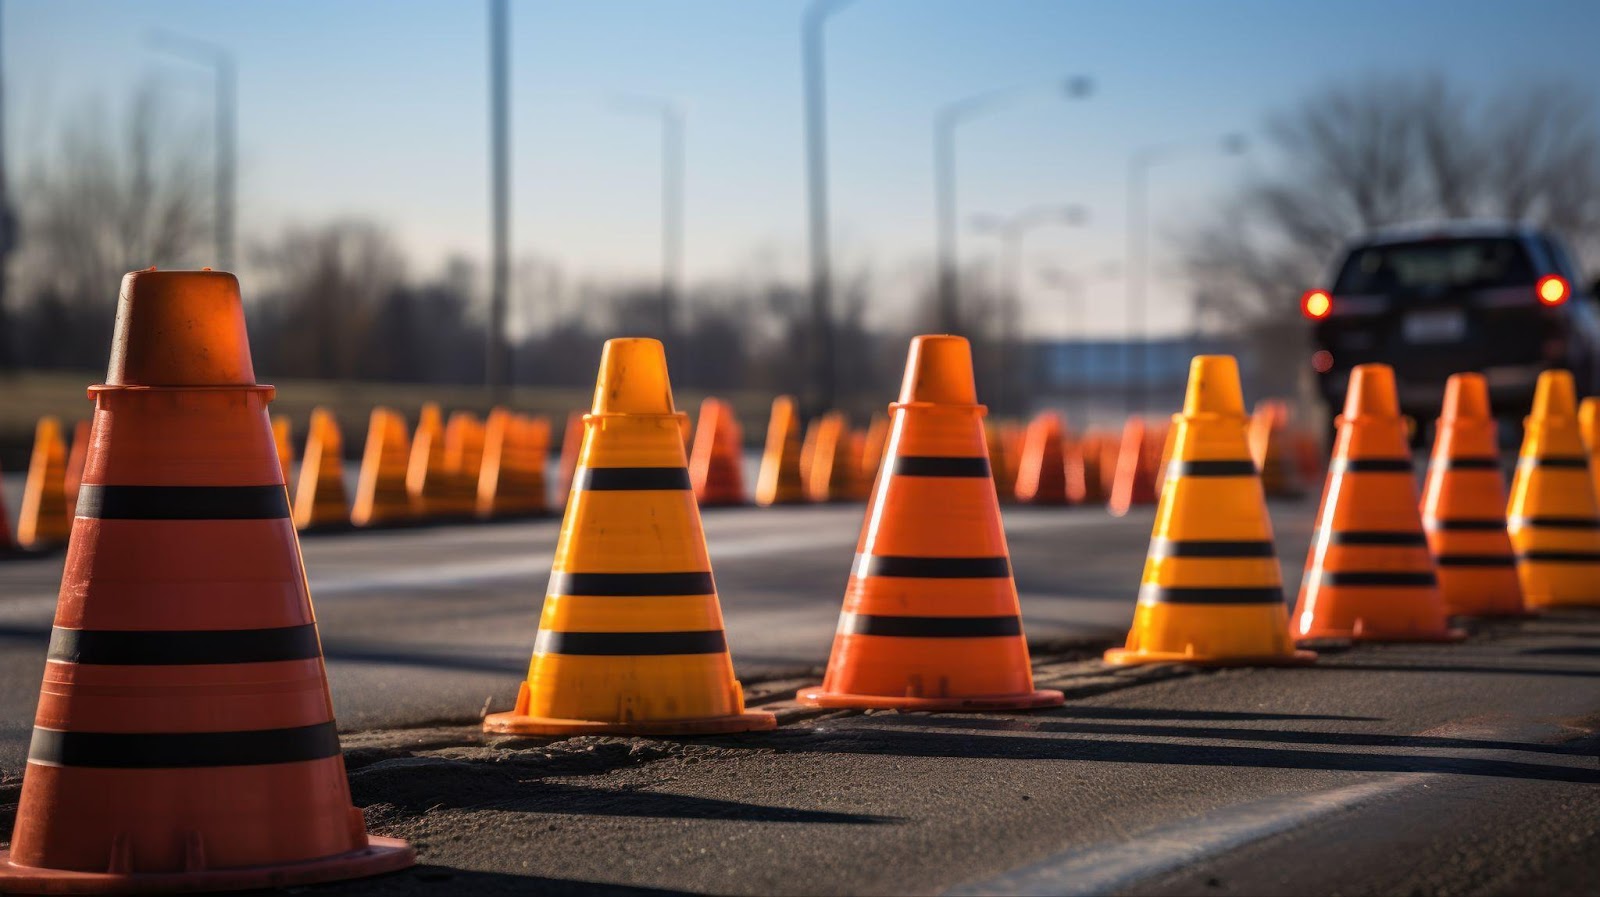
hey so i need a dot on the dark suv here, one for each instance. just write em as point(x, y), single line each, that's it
point(1432, 300)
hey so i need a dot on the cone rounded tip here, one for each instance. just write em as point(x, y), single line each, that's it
point(1555, 396)
point(939, 371)
point(1372, 392)
point(180, 328)
point(633, 378)
point(1466, 397)
point(1214, 386)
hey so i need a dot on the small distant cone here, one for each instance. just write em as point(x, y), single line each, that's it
point(996, 435)
point(1134, 482)
point(716, 465)
point(1041, 472)
point(1463, 507)
point(831, 475)
point(319, 499)
point(1589, 427)
point(872, 448)
point(463, 464)
point(1085, 484)
point(931, 619)
point(571, 444)
point(427, 474)
point(76, 456)
point(855, 452)
point(185, 740)
point(808, 452)
point(1212, 592)
point(43, 521)
point(511, 481)
point(1271, 448)
point(779, 482)
point(1369, 575)
point(381, 497)
point(1110, 454)
point(687, 426)
point(283, 436)
point(1554, 518)
point(631, 638)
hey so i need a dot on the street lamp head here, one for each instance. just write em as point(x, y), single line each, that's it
point(1077, 87)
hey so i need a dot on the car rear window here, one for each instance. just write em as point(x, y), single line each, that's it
point(1435, 265)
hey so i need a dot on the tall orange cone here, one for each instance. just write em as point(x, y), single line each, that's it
point(571, 445)
point(1042, 472)
point(1553, 517)
point(1212, 592)
point(511, 483)
point(1134, 481)
point(1369, 575)
point(76, 455)
point(1463, 507)
point(283, 437)
point(716, 465)
point(1589, 427)
point(184, 740)
point(631, 638)
point(42, 520)
point(779, 481)
point(381, 497)
point(931, 619)
point(319, 500)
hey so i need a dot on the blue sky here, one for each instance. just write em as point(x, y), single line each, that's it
point(378, 109)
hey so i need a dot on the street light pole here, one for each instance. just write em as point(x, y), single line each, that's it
point(945, 122)
point(813, 64)
point(670, 116)
point(224, 75)
point(8, 234)
point(496, 372)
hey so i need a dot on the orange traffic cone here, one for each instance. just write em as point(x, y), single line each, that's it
point(1000, 459)
point(1042, 472)
point(1589, 428)
point(855, 450)
point(631, 638)
point(1270, 448)
point(716, 466)
point(1463, 507)
point(1369, 575)
point(512, 480)
point(1554, 518)
point(463, 464)
point(76, 456)
point(1212, 593)
point(1085, 483)
point(185, 740)
point(931, 619)
point(427, 477)
point(283, 437)
point(872, 446)
point(43, 521)
point(779, 481)
point(381, 497)
point(571, 444)
point(1134, 482)
point(319, 499)
point(830, 476)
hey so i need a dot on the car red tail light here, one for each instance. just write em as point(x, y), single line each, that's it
point(1552, 290)
point(1316, 304)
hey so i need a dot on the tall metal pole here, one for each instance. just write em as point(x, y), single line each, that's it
point(672, 166)
point(1134, 284)
point(813, 64)
point(8, 230)
point(496, 367)
point(944, 187)
point(225, 132)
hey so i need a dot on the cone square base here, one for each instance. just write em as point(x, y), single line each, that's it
point(833, 700)
point(379, 856)
point(1125, 657)
point(511, 723)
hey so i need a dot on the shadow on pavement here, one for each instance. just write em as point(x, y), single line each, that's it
point(445, 880)
point(1197, 715)
point(1456, 668)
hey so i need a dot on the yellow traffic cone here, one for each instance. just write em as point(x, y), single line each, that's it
point(631, 638)
point(1212, 593)
point(42, 520)
point(1553, 516)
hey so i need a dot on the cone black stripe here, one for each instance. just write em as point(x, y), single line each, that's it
point(183, 502)
point(183, 750)
point(932, 568)
point(630, 585)
point(1377, 578)
point(630, 479)
point(1560, 462)
point(1373, 465)
point(1150, 593)
point(1556, 522)
point(1475, 560)
point(929, 627)
point(1374, 537)
point(1241, 468)
point(1464, 525)
point(1209, 548)
point(938, 466)
point(616, 644)
point(140, 648)
point(1467, 463)
point(1561, 557)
